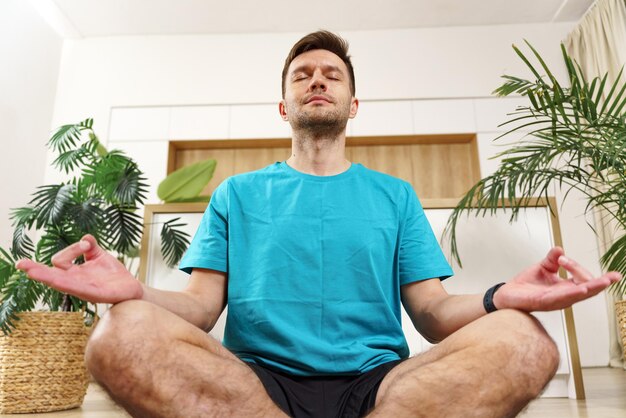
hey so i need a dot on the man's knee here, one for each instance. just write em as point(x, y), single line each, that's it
point(116, 342)
point(533, 353)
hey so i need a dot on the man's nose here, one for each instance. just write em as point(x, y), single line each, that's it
point(317, 82)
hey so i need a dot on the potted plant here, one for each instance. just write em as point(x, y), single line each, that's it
point(101, 198)
point(577, 140)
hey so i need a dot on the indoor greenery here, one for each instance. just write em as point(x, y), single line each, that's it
point(101, 198)
point(186, 183)
point(577, 140)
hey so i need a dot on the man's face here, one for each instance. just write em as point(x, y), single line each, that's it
point(317, 92)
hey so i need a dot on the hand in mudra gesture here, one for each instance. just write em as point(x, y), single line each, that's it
point(539, 287)
point(100, 279)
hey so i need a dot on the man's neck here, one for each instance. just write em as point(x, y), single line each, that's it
point(318, 156)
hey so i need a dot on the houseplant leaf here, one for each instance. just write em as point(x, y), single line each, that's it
point(174, 242)
point(187, 182)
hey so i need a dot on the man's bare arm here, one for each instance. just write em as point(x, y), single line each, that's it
point(436, 314)
point(201, 303)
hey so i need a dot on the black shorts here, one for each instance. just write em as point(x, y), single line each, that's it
point(343, 396)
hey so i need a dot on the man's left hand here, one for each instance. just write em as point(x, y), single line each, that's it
point(540, 288)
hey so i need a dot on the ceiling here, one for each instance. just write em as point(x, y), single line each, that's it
point(93, 18)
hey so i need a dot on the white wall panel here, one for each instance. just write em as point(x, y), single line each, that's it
point(443, 116)
point(199, 122)
point(383, 118)
point(257, 121)
point(493, 111)
point(489, 147)
point(139, 124)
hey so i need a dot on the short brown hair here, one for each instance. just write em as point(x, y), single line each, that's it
point(321, 39)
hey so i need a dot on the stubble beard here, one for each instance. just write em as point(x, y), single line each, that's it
point(319, 124)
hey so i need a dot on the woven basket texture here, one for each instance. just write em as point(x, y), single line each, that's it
point(620, 312)
point(42, 365)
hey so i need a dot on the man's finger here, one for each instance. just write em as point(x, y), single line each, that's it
point(64, 259)
point(595, 286)
point(37, 271)
point(550, 262)
point(54, 277)
point(614, 276)
point(568, 295)
point(95, 250)
point(579, 273)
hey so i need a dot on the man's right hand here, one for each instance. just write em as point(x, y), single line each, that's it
point(100, 279)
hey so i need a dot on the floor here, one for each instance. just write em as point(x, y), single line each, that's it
point(605, 389)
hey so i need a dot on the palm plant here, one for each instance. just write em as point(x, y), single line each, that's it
point(577, 140)
point(101, 198)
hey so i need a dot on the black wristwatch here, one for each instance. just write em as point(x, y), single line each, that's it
point(488, 298)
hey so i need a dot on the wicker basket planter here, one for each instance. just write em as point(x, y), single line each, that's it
point(42, 365)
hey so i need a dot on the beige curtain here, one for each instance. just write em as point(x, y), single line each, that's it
point(598, 44)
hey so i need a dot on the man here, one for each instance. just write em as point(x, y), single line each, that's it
point(313, 256)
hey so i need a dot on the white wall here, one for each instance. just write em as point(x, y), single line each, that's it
point(143, 91)
point(31, 53)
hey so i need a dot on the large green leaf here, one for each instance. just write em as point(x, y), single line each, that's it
point(201, 198)
point(187, 182)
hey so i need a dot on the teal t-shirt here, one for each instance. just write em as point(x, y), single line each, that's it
point(315, 265)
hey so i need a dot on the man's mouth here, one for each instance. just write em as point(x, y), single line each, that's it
point(318, 98)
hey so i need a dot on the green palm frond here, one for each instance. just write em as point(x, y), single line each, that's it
point(7, 268)
point(615, 259)
point(23, 219)
point(174, 241)
point(53, 298)
point(86, 215)
point(21, 246)
point(50, 202)
point(24, 216)
point(68, 136)
point(130, 186)
point(73, 158)
point(19, 294)
point(513, 85)
point(55, 238)
point(118, 178)
point(577, 141)
point(122, 228)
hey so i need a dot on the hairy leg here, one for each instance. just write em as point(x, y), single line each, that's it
point(155, 364)
point(490, 368)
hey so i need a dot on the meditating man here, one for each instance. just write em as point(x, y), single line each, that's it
point(314, 256)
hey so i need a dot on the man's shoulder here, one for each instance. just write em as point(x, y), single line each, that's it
point(255, 175)
point(385, 179)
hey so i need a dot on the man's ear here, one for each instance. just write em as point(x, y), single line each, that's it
point(282, 109)
point(354, 107)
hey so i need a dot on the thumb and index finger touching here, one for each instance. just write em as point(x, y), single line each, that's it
point(64, 259)
point(556, 258)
